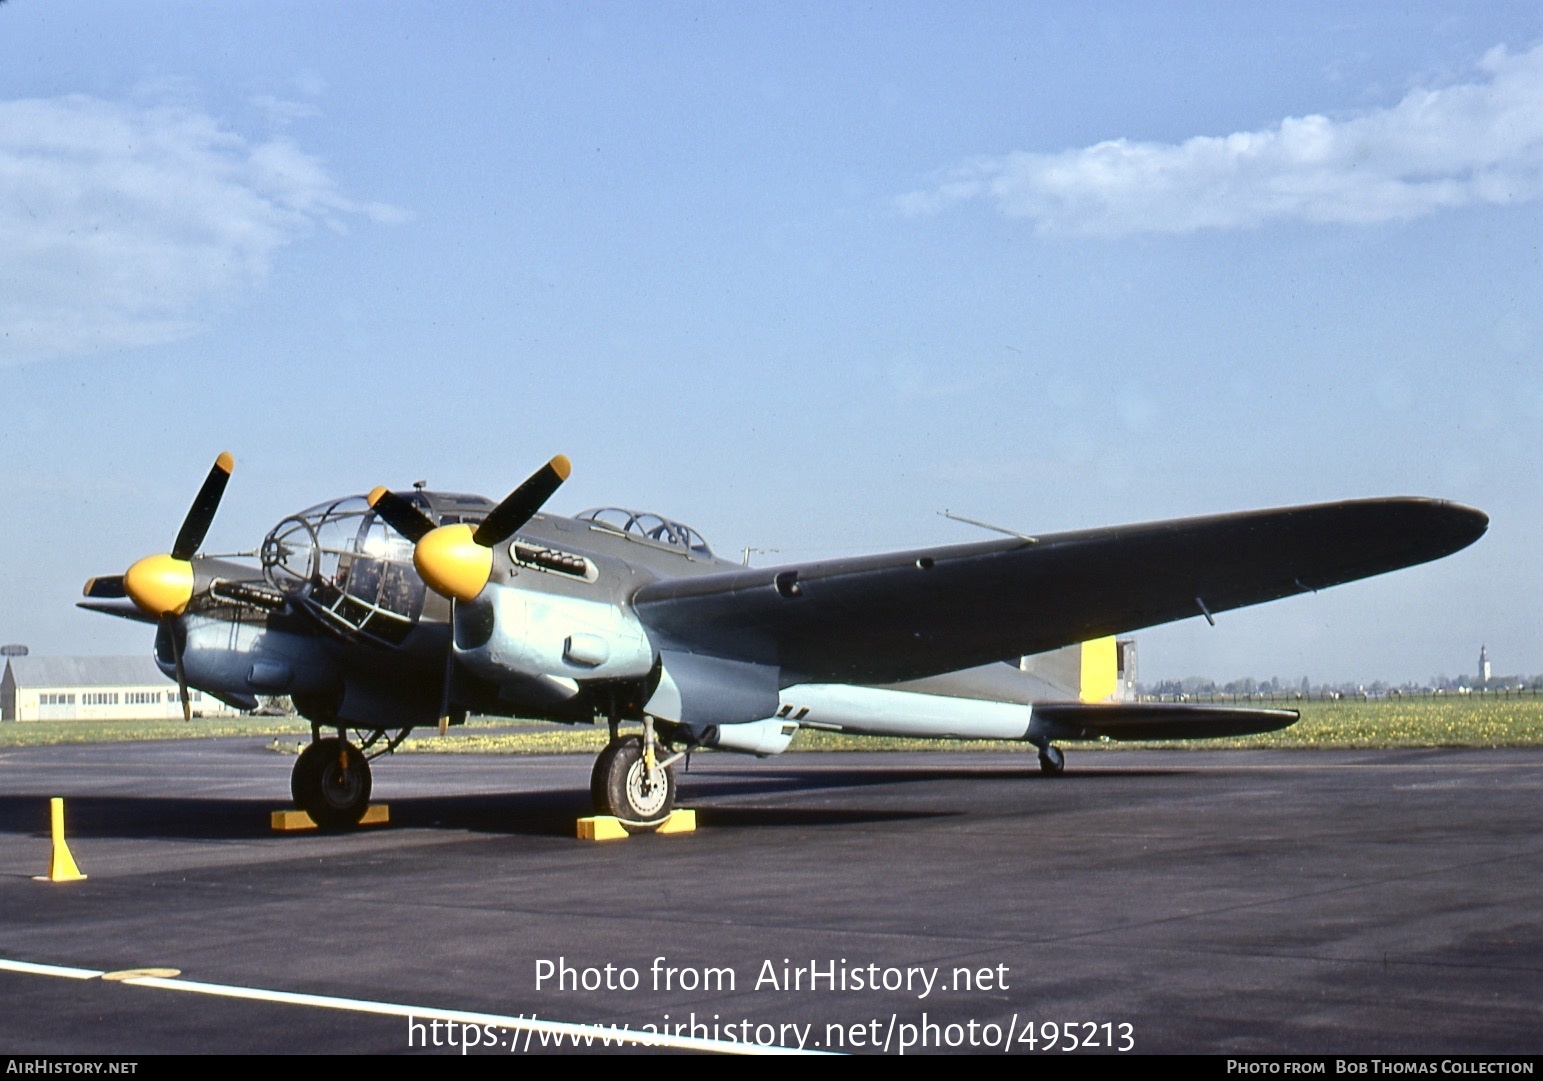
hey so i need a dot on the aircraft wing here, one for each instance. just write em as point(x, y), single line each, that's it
point(1156, 720)
point(905, 615)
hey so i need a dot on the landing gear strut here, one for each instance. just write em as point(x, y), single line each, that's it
point(331, 783)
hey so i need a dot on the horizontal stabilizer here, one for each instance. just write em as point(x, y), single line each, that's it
point(1155, 720)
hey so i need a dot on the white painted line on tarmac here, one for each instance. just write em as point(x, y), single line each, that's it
point(551, 1035)
point(50, 970)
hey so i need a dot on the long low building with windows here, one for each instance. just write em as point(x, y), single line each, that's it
point(95, 689)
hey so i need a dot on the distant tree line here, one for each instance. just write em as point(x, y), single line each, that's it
point(1192, 687)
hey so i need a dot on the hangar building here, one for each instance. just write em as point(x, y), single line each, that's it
point(95, 689)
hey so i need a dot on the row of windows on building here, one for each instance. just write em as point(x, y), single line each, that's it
point(113, 698)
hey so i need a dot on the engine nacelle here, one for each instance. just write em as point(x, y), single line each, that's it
point(222, 657)
point(509, 635)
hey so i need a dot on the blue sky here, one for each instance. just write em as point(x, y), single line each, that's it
point(800, 275)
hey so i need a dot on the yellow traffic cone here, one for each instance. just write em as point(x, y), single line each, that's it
point(61, 865)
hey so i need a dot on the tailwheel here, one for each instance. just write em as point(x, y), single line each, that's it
point(1051, 760)
point(331, 783)
point(623, 785)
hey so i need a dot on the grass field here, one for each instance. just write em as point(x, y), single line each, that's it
point(43, 733)
point(1456, 721)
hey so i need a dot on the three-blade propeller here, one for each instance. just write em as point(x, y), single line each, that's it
point(457, 560)
point(162, 585)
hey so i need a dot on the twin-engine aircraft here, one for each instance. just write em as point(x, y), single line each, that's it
point(378, 614)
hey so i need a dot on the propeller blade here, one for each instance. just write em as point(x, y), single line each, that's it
point(162, 585)
point(401, 515)
point(109, 587)
point(521, 504)
point(455, 561)
point(169, 622)
point(444, 695)
point(194, 527)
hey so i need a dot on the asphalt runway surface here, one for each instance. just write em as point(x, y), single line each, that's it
point(1372, 902)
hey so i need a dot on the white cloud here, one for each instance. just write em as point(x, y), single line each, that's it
point(284, 111)
point(125, 225)
point(1479, 142)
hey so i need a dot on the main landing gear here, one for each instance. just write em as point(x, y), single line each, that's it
point(632, 782)
point(331, 783)
point(1051, 760)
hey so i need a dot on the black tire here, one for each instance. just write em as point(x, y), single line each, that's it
point(598, 775)
point(331, 783)
point(620, 789)
point(1051, 761)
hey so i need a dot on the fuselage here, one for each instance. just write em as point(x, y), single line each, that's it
point(338, 618)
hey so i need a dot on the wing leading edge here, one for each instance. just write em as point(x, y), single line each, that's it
point(906, 615)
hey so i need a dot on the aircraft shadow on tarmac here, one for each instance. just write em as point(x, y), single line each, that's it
point(772, 779)
point(535, 814)
point(541, 813)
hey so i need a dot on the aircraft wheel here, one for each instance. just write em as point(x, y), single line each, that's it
point(331, 783)
point(598, 775)
point(1051, 760)
point(604, 762)
point(621, 786)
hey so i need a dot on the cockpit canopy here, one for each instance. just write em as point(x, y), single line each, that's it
point(353, 570)
point(345, 565)
point(648, 526)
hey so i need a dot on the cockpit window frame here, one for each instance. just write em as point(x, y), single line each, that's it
point(648, 528)
point(342, 537)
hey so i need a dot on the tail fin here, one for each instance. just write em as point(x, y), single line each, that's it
point(1101, 670)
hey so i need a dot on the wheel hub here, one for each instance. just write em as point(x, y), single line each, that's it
point(646, 796)
point(342, 786)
